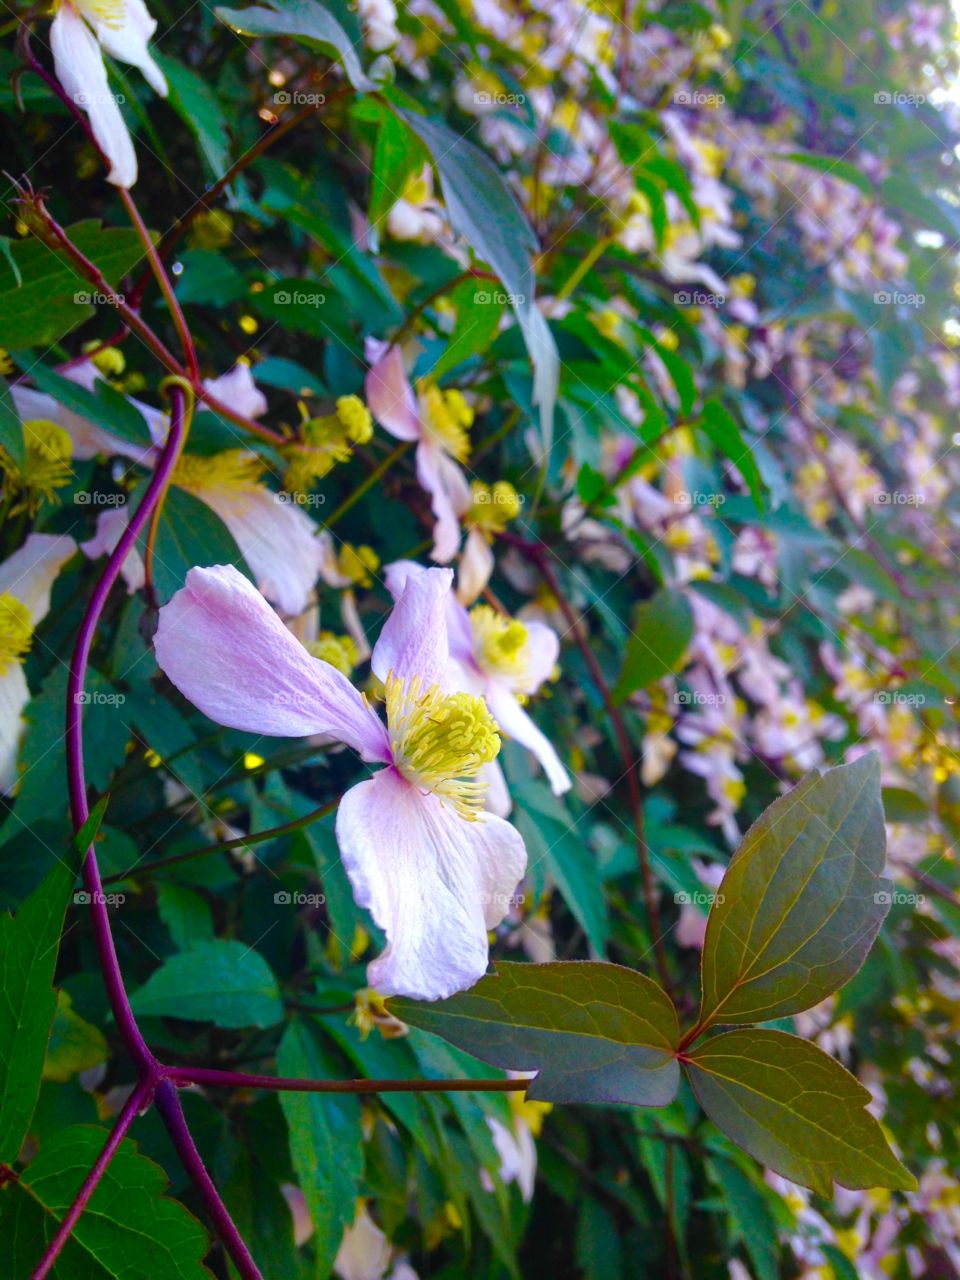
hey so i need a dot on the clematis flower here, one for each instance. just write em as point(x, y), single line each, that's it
point(434, 870)
point(438, 421)
point(121, 28)
point(276, 537)
point(503, 660)
point(26, 580)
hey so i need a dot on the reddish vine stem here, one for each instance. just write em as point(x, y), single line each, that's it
point(291, 1084)
point(537, 555)
point(138, 1101)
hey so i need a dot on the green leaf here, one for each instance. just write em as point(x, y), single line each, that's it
point(326, 1144)
point(208, 279)
point(88, 832)
point(53, 297)
point(11, 428)
point(795, 1109)
point(129, 1228)
point(802, 900)
point(104, 407)
point(398, 154)
point(75, 1044)
point(188, 533)
point(199, 108)
point(479, 308)
point(843, 170)
point(661, 632)
point(308, 22)
point(750, 1218)
point(223, 982)
point(29, 942)
point(720, 426)
point(594, 1032)
point(186, 914)
point(482, 208)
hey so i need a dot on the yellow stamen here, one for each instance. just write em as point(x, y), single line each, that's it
point(46, 466)
point(492, 508)
point(441, 741)
point(339, 651)
point(109, 13)
point(355, 418)
point(499, 643)
point(235, 469)
point(448, 419)
point(358, 564)
point(16, 631)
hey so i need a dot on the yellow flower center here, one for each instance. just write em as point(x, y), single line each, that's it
point(110, 13)
point(492, 508)
point(16, 631)
point(440, 741)
point(448, 419)
point(355, 418)
point(358, 564)
point(45, 468)
point(499, 643)
point(339, 651)
point(235, 469)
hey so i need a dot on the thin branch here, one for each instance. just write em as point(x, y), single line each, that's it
point(135, 1105)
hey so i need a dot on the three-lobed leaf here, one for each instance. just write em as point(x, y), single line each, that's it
point(802, 900)
point(795, 1109)
point(593, 1032)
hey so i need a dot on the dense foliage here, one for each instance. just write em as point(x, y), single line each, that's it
point(643, 320)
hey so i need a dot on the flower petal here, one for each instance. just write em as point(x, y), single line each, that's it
point(110, 527)
point(542, 651)
point(413, 641)
point(277, 540)
point(78, 63)
point(128, 42)
point(434, 883)
point(238, 391)
point(476, 566)
point(228, 652)
point(388, 391)
point(449, 494)
point(29, 574)
point(14, 696)
point(516, 724)
point(459, 634)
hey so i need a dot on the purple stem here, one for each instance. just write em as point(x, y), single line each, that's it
point(168, 1104)
point(135, 1105)
point(146, 1063)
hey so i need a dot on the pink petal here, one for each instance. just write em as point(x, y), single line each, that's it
point(413, 641)
point(388, 391)
point(516, 724)
point(543, 649)
point(238, 391)
point(14, 696)
point(29, 574)
point(278, 541)
point(227, 651)
point(110, 526)
point(459, 634)
point(476, 566)
point(434, 883)
point(449, 492)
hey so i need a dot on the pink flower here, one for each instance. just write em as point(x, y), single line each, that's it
point(434, 870)
point(439, 434)
point(501, 659)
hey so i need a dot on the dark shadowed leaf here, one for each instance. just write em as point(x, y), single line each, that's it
point(305, 20)
point(795, 1109)
point(222, 981)
point(661, 630)
point(594, 1032)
